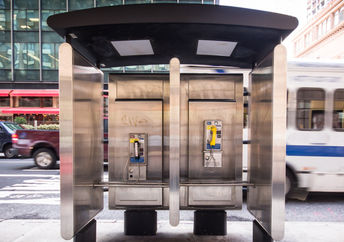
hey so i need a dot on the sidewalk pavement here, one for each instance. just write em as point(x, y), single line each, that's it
point(111, 230)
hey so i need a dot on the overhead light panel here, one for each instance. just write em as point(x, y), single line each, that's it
point(133, 47)
point(216, 48)
point(34, 19)
point(73, 35)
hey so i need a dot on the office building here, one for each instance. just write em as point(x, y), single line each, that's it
point(29, 53)
point(323, 35)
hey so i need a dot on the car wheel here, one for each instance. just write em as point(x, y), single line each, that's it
point(289, 183)
point(44, 158)
point(8, 152)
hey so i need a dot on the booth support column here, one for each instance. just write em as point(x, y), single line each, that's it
point(174, 140)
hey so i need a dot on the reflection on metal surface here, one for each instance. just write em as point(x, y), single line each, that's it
point(217, 88)
point(266, 168)
point(211, 196)
point(199, 112)
point(174, 140)
point(173, 114)
point(135, 108)
point(81, 135)
point(138, 196)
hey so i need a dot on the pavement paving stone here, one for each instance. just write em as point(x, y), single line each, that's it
point(112, 230)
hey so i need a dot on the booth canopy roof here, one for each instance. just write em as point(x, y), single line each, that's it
point(196, 34)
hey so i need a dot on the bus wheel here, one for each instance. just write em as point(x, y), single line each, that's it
point(289, 183)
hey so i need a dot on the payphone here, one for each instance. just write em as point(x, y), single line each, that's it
point(174, 139)
point(212, 143)
point(137, 168)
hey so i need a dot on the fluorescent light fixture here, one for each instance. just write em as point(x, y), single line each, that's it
point(34, 19)
point(73, 35)
point(133, 47)
point(25, 27)
point(216, 48)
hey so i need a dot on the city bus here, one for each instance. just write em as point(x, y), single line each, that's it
point(315, 126)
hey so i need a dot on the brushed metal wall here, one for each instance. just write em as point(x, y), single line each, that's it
point(142, 104)
point(81, 140)
point(266, 167)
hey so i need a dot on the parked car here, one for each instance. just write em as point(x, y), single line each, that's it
point(42, 145)
point(6, 131)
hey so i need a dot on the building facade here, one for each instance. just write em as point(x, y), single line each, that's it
point(29, 52)
point(323, 35)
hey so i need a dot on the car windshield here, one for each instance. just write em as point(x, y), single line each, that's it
point(12, 126)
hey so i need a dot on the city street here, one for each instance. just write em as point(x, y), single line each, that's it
point(27, 192)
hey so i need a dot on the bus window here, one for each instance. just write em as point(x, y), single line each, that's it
point(338, 110)
point(310, 109)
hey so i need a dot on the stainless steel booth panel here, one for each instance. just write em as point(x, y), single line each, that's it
point(81, 136)
point(198, 112)
point(214, 87)
point(266, 167)
point(138, 86)
point(135, 117)
point(215, 98)
point(135, 108)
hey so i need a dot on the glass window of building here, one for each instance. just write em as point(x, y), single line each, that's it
point(190, 1)
point(50, 40)
point(328, 24)
point(154, 1)
point(319, 30)
point(26, 56)
point(26, 20)
point(53, 4)
point(5, 55)
point(341, 14)
point(4, 101)
point(25, 4)
point(50, 49)
point(336, 18)
point(49, 55)
point(80, 4)
point(45, 15)
point(47, 101)
point(140, 68)
point(5, 4)
point(104, 3)
point(5, 20)
point(35, 102)
point(323, 27)
point(338, 110)
point(29, 101)
point(26, 61)
point(310, 109)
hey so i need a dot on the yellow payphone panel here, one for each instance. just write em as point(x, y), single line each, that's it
point(212, 152)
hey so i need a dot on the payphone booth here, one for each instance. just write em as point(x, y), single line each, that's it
point(175, 140)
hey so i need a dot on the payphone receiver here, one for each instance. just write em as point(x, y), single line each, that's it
point(212, 151)
point(213, 135)
point(137, 168)
point(136, 149)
